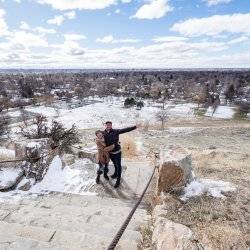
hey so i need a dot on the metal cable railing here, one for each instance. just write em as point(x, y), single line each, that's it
point(129, 217)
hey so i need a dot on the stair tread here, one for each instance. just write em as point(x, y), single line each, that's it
point(30, 237)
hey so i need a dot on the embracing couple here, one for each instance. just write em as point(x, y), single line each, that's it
point(108, 146)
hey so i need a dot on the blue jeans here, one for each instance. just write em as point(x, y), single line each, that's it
point(116, 159)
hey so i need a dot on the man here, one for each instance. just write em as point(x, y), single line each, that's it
point(111, 136)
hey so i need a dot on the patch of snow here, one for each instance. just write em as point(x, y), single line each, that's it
point(67, 180)
point(207, 186)
point(9, 176)
point(14, 114)
point(33, 145)
point(224, 112)
point(43, 110)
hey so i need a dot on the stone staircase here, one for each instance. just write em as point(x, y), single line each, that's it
point(70, 221)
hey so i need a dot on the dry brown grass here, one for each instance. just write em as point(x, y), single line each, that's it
point(129, 148)
point(216, 223)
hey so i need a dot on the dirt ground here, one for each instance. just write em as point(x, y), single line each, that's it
point(220, 150)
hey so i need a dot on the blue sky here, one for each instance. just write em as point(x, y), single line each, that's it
point(124, 33)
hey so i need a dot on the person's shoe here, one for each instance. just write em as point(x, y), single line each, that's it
point(106, 177)
point(117, 185)
point(97, 180)
point(114, 176)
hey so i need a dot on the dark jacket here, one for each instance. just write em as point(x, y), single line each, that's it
point(112, 137)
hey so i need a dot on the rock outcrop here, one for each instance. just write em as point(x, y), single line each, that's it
point(169, 235)
point(175, 170)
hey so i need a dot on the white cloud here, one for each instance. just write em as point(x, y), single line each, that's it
point(24, 26)
point(43, 30)
point(161, 39)
point(111, 39)
point(74, 37)
point(214, 25)
point(70, 15)
point(27, 39)
point(3, 24)
point(216, 2)
point(239, 40)
point(69, 47)
point(57, 20)
point(80, 4)
point(153, 10)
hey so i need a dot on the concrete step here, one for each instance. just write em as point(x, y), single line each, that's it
point(10, 241)
point(72, 218)
point(136, 176)
point(28, 236)
point(80, 200)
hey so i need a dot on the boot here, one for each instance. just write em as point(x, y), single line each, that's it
point(97, 179)
point(117, 184)
point(114, 176)
point(106, 176)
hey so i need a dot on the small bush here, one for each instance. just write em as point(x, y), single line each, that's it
point(129, 102)
point(59, 135)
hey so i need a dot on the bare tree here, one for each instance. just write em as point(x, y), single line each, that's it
point(162, 116)
point(40, 129)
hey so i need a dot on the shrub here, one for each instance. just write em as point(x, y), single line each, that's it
point(139, 104)
point(162, 116)
point(129, 102)
point(59, 135)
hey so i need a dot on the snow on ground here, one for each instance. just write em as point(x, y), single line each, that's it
point(7, 175)
point(95, 114)
point(15, 113)
point(75, 179)
point(224, 112)
point(67, 180)
point(6, 153)
point(206, 186)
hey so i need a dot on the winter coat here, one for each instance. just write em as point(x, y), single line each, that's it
point(112, 137)
point(103, 151)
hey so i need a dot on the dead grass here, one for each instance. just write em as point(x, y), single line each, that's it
point(216, 223)
point(129, 148)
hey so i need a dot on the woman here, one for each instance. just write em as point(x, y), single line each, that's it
point(102, 155)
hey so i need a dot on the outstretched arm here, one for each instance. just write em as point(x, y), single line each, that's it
point(125, 130)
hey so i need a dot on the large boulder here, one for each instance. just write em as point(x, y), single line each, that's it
point(175, 170)
point(170, 235)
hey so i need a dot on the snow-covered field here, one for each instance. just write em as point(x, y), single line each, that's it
point(224, 112)
point(94, 115)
